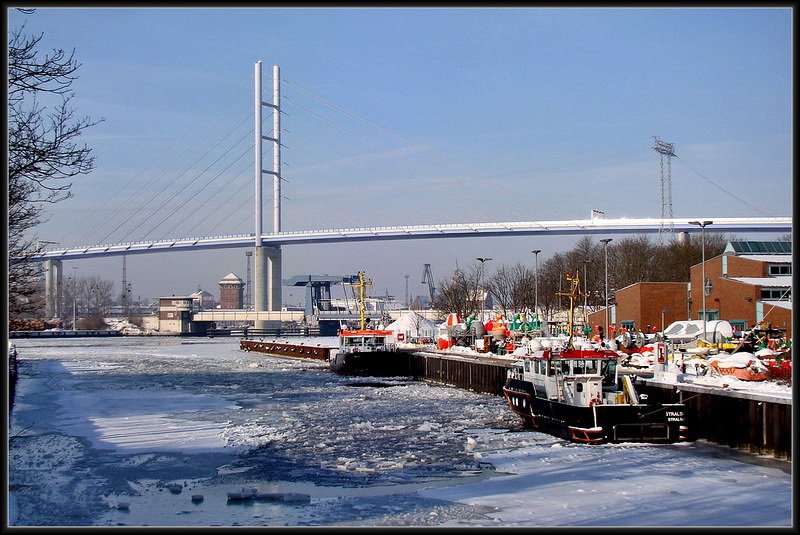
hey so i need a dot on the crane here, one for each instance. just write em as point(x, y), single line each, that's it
point(427, 278)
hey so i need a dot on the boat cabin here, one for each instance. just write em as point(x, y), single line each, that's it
point(582, 378)
point(364, 340)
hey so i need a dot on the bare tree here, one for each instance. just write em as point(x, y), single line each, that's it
point(514, 288)
point(43, 154)
point(460, 294)
point(97, 293)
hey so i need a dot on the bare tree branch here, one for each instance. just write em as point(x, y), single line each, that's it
point(43, 153)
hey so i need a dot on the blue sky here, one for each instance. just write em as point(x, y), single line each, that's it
point(404, 116)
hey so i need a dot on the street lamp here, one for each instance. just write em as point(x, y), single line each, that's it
point(605, 242)
point(585, 296)
point(536, 286)
point(663, 310)
point(483, 283)
point(703, 225)
point(74, 294)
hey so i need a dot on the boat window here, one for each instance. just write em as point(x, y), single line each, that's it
point(608, 369)
point(565, 367)
point(578, 366)
point(541, 369)
point(527, 365)
point(591, 366)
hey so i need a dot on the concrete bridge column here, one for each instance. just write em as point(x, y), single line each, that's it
point(274, 273)
point(267, 283)
point(53, 284)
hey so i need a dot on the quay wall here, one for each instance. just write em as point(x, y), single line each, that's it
point(746, 421)
point(479, 374)
point(13, 374)
point(749, 422)
point(63, 334)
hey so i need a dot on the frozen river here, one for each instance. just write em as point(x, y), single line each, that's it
point(126, 431)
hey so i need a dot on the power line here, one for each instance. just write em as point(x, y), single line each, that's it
point(757, 210)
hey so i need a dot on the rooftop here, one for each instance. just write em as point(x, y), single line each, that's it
point(758, 247)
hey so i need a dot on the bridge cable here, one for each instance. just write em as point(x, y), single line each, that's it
point(170, 149)
point(165, 187)
point(196, 193)
point(197, 176)
point(227, 213)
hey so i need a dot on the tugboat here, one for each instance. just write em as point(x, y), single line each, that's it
point(577, 394)
point(368, 352)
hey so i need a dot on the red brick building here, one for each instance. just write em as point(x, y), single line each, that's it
point(231, 292)
point(749, 283)
point(646, 304)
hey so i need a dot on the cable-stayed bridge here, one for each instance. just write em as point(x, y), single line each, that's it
point(408, 232)
point(267, 246)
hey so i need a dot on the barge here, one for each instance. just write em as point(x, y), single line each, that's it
point(283, 349)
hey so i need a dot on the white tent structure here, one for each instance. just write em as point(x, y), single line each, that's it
point(411, 326)
point(691, 330)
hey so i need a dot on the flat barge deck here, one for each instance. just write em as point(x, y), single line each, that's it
point(282, 349)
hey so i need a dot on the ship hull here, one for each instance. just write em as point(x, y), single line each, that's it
point(599, 423)
point(371, 363)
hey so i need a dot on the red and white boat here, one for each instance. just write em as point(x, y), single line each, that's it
point(578, 394)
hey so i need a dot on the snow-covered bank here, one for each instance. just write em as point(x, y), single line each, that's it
point(687, 484)
point(103, 423)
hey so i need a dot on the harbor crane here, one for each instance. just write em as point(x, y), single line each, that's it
point(427, 278)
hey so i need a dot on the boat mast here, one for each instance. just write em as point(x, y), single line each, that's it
point(572, 294)
point(362, 284)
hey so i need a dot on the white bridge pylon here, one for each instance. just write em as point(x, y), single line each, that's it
point(415, 232)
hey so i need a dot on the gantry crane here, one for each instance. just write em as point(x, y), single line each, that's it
point(427, 278)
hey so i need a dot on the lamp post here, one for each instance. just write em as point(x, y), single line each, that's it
point(536, 286)
point(663, 310)
point(585, 296)
point(483, 283)
point(74, 294)
point(605, 242)
point(703, 225)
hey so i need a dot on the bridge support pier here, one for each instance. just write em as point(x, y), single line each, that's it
point(267, 283)
point(53, 284)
